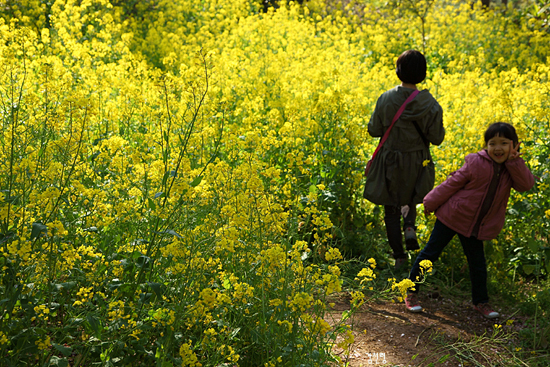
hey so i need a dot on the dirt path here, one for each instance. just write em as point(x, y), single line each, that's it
point(388, 335)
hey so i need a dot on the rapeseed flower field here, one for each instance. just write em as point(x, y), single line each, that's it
point(180, 179)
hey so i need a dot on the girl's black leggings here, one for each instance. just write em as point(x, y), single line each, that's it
point(473, 249)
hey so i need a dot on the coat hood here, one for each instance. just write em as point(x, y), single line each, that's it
point(483, 153)
point(423, 103)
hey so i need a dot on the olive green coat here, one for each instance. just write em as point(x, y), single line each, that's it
point(400, 174)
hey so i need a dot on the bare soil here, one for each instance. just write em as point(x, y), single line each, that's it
point(446, 333)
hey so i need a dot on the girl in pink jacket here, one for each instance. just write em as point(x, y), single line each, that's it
point(472, 203)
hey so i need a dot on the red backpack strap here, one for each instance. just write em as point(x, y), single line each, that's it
point(395, 118)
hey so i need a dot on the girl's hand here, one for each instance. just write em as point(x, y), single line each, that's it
point(426, 212)
point(514, 151)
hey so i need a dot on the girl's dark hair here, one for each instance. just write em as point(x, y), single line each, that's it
point(411, 67)
point(502, 129)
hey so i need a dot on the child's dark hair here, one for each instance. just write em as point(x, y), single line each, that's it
point(411, 67)
point(502, 129)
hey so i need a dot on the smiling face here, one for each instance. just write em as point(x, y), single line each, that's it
point(498, 148)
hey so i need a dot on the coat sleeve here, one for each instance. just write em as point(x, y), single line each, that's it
point(522, 178)
point(436, 131)
point(443, 192)
point(376, 126)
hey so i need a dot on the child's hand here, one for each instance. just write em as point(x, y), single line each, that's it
point(514, 151)
point(426, 212)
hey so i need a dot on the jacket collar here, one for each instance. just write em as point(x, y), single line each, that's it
point(485, 154)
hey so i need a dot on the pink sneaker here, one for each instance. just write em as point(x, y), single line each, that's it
point(486, 310)
point(411, 302)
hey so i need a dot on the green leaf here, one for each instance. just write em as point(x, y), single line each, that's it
point(94, 156)
point(170, 232)
point(152, 204)
point(226, 283)
point(543, 9)
point(66, 351)
point(234, 333)
point(547, 260)
point(37, 229)
point(125, 288)
point(61, 286)
point(145, 297)
point(157, 288)
point(358, 221)
point(94, 324)
point(60, 362)
point(533, 245)
point(444, 358)
point(14, 200)
point(165, 178)
point(143, 261)
point(196, 181)
point(345, 315)
point(528, 269)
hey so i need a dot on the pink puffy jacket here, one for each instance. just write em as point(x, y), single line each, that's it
point(457, 201)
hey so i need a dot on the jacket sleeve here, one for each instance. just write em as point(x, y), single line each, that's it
point(443, 192)
point(522, 178)
point(436, 131)
point(376, 126)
